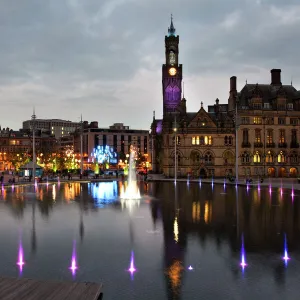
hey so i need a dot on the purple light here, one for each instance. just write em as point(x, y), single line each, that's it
point(20, 261)
point(286, 257)
point(224, 184)
point(74, 266)
point(132, 268)
point(270, 189)
point(190, 268)
point(212, 184)
point(159, 127)
point(247, 188)
point(243, 263)
point(293, 195)
point(200, 183)
point(281, 192)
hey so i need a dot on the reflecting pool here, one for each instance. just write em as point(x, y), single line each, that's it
point(183, 241)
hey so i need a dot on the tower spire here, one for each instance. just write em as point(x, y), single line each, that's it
point(171, 29)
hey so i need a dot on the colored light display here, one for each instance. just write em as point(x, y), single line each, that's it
point(132, 268)
point(74, 266)
point(243, 263)
point(20, 261)
point(286, 257)
point(105, 155)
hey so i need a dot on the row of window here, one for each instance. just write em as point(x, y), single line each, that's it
point(270, 157)
point(202, 140)
point(280, 106)
point(268, 121)
point(269, 136)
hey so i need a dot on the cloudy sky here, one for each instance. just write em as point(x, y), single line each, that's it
point(103, 58)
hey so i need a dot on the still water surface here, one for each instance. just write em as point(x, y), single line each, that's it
point(187, 242)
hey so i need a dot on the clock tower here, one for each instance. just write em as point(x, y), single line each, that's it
point(171, 72)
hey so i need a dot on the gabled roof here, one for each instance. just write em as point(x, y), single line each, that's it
point(267, 92)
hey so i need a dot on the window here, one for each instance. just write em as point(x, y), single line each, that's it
point(290, 106)
point(281, 136)
point(294, 158)
point(269, 157)
point(269, 121)
point(256, 105)
point(267, 105)
point(201, 140)
point(281, 157)
point(257, 135)
point(256, 157)
point(245, 157)
point(293, 121)
point(281, 121)
point(208, 140)
point(257, 120)
point(294, 136)
point(228, 140)
point(208, 158)
point(245, 136)
point(195, 140)
point(269, 136)
point(245, 120)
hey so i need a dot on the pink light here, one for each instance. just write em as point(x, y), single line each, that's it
point(132, 268)
point(286, 257)
point(243, 263)
point(270, 190)
point(74, 266)
point(247, 188)
point(20, 261)
point(190, 268)
point(281, 192)
point(293, 195)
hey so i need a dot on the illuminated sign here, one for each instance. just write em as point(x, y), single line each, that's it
point(105, 155)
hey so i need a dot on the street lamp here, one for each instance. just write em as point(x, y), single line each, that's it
point(33, 117)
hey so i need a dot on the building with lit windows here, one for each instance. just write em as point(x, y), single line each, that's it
point(268, 127)
point(117, 137)
point(58, 128)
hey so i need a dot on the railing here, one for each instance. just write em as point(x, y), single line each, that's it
point(282, 145)
point(258, 145)
point(246, 145)
point(270, 145)
point(294, 145)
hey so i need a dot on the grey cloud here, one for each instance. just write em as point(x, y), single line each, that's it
point(79, 55)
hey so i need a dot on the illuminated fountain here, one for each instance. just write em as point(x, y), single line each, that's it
point(243, 263)
point(73, 266)
point(132, 268)
point(286, 256)
point(132, 191)
point(20, 261)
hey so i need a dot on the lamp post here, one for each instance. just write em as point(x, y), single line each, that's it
point(33, 117)
point(175, 131)
point(236, 142)
point(81, 147)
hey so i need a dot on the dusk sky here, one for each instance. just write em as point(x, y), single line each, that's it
point(103, 58)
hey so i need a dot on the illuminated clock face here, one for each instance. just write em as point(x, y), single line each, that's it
point(172, 71)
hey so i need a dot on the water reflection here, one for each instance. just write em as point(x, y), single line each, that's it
point(202, 225)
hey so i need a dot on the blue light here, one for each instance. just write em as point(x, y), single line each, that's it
point(105, 155)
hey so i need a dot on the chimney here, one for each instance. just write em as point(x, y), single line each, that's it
point(232, 83)
point(276, 77)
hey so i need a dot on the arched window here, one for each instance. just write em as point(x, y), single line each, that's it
point(281, 157)
point(230, 140)
point(256, 158)
point(269, 157)
point(245, 158)
point(229, 158)
point(208, 158)
point(294, 158)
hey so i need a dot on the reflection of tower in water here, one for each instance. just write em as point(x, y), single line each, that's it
point(174, 247)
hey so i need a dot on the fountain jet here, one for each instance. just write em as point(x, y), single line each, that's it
point(132, 191)
point(286, 257)
point(20, 261)
point(74, 266)
point(243, 263)
point(132, 268)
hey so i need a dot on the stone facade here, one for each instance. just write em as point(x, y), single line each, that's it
point(267, 122)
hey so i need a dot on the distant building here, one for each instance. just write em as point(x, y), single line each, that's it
point(16, 146)
point(118, 137)
point(58, 128)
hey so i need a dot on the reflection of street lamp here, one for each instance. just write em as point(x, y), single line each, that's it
point(175, 131)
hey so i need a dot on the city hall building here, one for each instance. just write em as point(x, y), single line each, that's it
point(267, 121)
